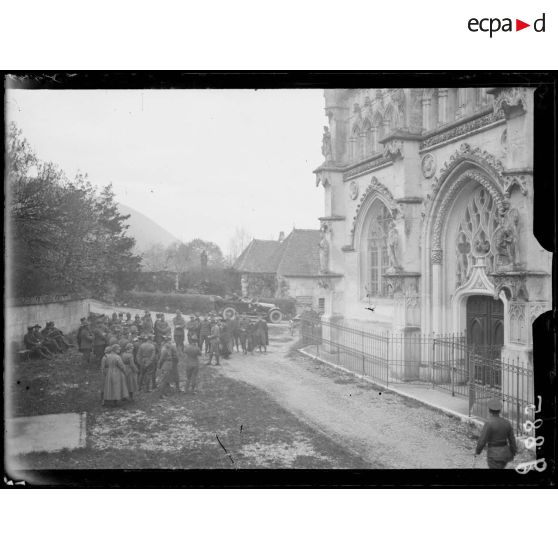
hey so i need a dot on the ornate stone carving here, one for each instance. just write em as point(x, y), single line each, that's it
point(450, 194)
point(412, 302)
point(478, 285)
point(353, 190)
point(518, 180)
point(393, 149)
point(462, 129)
point(504, 141)
point(375, 186)
point(506, 240)
point(492, 166)
point(517, 322)
point(428, 165)
point(436, 256)
point(473, 154)
point(393, 248)
point(513, 283)
point(377, 161)
point(511, 100)
point(402, 283)
point(324, 283)
point(326, 145)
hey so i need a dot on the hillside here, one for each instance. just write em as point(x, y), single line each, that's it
point(146, 231)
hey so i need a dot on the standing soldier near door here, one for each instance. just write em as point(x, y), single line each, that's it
point(498, 435)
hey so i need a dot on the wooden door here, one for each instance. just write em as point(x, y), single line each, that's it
point(485, 334)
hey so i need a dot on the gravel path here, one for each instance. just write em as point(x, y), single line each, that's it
point(385, 429)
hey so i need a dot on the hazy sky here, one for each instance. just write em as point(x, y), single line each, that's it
point(199, 163)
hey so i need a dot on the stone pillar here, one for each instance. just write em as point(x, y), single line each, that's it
point(374, 139)
point(406, 346)
point(436, 260)
point(442, 106)
point(426, 102)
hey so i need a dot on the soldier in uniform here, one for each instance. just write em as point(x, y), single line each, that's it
point(33, 344)
point(214, 342)
point(147, 323)
point(45, 340)
point(99, 340)
point(193, 327)
point(235, 323)
point(226, 338)
point(498, 435)
point(162, 329)
point(243, 334)
point(261, 338)
point(168, 364)
point(147, 363)
point(205, 332)
point(192, 352)
point(85, 340)
point(179, 324)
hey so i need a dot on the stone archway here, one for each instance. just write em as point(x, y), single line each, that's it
point(469, 172)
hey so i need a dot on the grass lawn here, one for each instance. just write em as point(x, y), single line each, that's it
point(227, 424)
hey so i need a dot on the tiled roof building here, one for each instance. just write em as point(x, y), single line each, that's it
point(285, 268)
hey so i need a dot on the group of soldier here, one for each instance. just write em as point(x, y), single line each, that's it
point(46, 342)
point(131, 352)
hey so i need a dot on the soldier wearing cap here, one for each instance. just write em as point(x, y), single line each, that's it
point(498, 435)
point(168, 364)
point(147, 323)
point(147, 363)
point(179, 324)
point(34, 344)
point(162, 329)
point(205, 332)
point(85, 340)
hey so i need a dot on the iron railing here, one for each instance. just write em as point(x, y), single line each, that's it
point(446, 362)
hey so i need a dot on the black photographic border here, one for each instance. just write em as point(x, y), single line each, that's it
point(544, 328)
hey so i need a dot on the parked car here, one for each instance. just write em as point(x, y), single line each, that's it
point(230, 307)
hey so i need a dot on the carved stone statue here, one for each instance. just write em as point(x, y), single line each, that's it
point(326, 145)
point(463, 249)
point(393, 246)
point(506, 238)
point(324, 253)
point(203, 259)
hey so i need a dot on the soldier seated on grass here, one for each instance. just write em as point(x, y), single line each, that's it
point(34, 345)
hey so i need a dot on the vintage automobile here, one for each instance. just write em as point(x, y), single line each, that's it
point(230, 307)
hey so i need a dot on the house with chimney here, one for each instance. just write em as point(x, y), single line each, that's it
point(287, 268)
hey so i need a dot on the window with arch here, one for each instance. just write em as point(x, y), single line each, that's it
point(377, 261)
point(475, 234)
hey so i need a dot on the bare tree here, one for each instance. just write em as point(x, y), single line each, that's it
point(238, 243)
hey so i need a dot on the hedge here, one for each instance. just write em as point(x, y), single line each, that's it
point(168, 302)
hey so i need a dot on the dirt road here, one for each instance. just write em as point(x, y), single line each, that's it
point(385, 429)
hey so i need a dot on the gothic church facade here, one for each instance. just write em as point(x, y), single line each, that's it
point(428, 214)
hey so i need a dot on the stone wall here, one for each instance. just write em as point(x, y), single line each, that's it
point(20, 314)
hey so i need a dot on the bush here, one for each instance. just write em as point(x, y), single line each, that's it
point(286, 305)
point(168, 302)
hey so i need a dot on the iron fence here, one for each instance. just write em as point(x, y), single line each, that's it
point(446, 362)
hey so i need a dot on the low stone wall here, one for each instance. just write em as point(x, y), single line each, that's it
point(63, 311)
